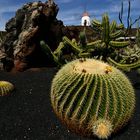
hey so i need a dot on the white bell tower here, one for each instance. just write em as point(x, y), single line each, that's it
point(85, 21)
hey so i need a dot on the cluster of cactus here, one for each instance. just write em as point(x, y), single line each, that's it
point(106, 48)
point(130, 54)
point(129, 57)
point(92, 98)
point(74, 49)
point(109, 32)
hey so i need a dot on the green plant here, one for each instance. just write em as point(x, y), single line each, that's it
point(109, 32)
point(112, 48)
point(83, 38)
point(46, 49)
point(75, 50)
point(92, 98)
point(107, 48)
point(125, 67)
point(128, 58)
point(102, 48)
point(6, 88)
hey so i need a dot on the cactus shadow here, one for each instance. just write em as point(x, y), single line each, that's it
point(121, 131)
point(7, 98)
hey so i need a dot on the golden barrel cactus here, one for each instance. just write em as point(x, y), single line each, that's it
point(92, 98)
point(6, 88)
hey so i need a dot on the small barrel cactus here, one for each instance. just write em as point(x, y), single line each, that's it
point(5, 88)
point(92, 98)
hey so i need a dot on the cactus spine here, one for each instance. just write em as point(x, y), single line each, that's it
point(92, 98)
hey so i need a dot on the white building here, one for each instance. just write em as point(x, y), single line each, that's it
point(85, 21)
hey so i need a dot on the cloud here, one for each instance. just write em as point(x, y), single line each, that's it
point(95, 9)
point(70, 16)
point(6, 12)
point(71, 10)
point(9, 8)
point(114, 9)
point(63, 1)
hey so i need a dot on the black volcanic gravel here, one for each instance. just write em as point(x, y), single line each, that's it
point(27, 112)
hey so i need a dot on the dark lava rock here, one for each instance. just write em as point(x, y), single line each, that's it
point(33, 22)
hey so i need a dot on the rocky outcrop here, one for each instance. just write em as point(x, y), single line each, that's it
point(32, 23)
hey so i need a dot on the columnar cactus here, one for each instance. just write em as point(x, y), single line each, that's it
point(125, 67)
point(92, 98)
point(109, 32)
point(49, 53)
point(108, 48)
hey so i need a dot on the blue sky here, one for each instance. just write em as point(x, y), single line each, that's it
point(70, 11)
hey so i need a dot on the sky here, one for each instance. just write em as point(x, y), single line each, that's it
point(70, 11)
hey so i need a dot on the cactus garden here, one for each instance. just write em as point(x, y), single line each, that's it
point(67, 81)
point(107, 48)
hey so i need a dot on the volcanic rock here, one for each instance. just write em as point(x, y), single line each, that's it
point(33, 22)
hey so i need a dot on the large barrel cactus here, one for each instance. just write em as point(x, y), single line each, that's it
point(92, 98)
